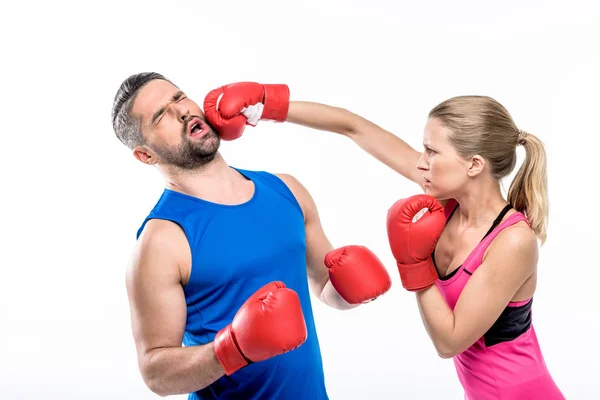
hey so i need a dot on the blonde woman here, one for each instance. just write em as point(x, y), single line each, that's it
point(472, 257)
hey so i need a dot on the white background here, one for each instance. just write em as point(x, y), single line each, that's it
point(74, 196)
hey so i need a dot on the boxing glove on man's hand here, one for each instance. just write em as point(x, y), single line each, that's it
point(357, 274)
point(414, 226)
point(269, 323)
point(230, 108)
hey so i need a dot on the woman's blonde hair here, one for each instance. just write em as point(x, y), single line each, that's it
point(480, 125)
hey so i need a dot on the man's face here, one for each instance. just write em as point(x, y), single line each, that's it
point(174, 126)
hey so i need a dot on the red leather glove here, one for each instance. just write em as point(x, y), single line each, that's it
point(230, 108)
point(357, 274)
point(412, 240)
point(269, 323)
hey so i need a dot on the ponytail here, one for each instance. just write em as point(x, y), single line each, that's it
point(528, 192)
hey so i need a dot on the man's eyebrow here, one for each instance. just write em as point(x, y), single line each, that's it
point(161, 110)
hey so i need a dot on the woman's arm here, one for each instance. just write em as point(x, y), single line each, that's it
point(510, 261)
point(381, 144)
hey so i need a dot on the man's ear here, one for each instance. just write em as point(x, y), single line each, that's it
point(476, 165)
point(145, 155)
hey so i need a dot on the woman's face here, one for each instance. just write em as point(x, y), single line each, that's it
point(444, 171)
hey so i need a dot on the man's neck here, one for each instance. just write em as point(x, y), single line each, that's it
point(215, 181)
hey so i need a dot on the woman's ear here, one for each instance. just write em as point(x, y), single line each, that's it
point(476, 165)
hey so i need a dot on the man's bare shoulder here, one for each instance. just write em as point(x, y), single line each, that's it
point(299, 191)
point(160, 251)
point(160, 233)
point(293, 183)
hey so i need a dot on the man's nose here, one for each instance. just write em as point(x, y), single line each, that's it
point(183, 112)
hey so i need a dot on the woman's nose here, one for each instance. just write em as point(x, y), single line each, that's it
point(422, 163)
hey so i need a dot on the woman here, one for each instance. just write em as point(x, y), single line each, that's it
point(475, 289)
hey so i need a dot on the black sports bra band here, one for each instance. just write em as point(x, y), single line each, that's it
point(498, 219)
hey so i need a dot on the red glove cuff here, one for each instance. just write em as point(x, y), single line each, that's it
point(418, 276)
point(228, 352)
point(277, 102)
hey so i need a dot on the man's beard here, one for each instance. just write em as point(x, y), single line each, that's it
point(191, 154)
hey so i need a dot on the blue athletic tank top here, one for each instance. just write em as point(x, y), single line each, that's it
point(236, 249)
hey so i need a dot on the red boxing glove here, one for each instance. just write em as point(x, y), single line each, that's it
point(357, 274)
point(414, 226)
point(269, 323)
point(230, 108)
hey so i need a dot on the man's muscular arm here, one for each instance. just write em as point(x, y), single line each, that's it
point(158, 315)
point(342, 278)
point(317, 246)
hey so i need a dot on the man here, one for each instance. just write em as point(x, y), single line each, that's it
point(225, 261)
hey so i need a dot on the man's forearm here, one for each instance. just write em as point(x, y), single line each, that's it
point(181, 370)
point(331, 297)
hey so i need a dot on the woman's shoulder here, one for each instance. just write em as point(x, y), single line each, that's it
point(516, 240)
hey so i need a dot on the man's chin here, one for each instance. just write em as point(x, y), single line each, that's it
point(194, 163)
point(191, 160)
point(206, 142)
point(207, 149)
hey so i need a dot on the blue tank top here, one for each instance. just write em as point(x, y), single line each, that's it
point(236, 249)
